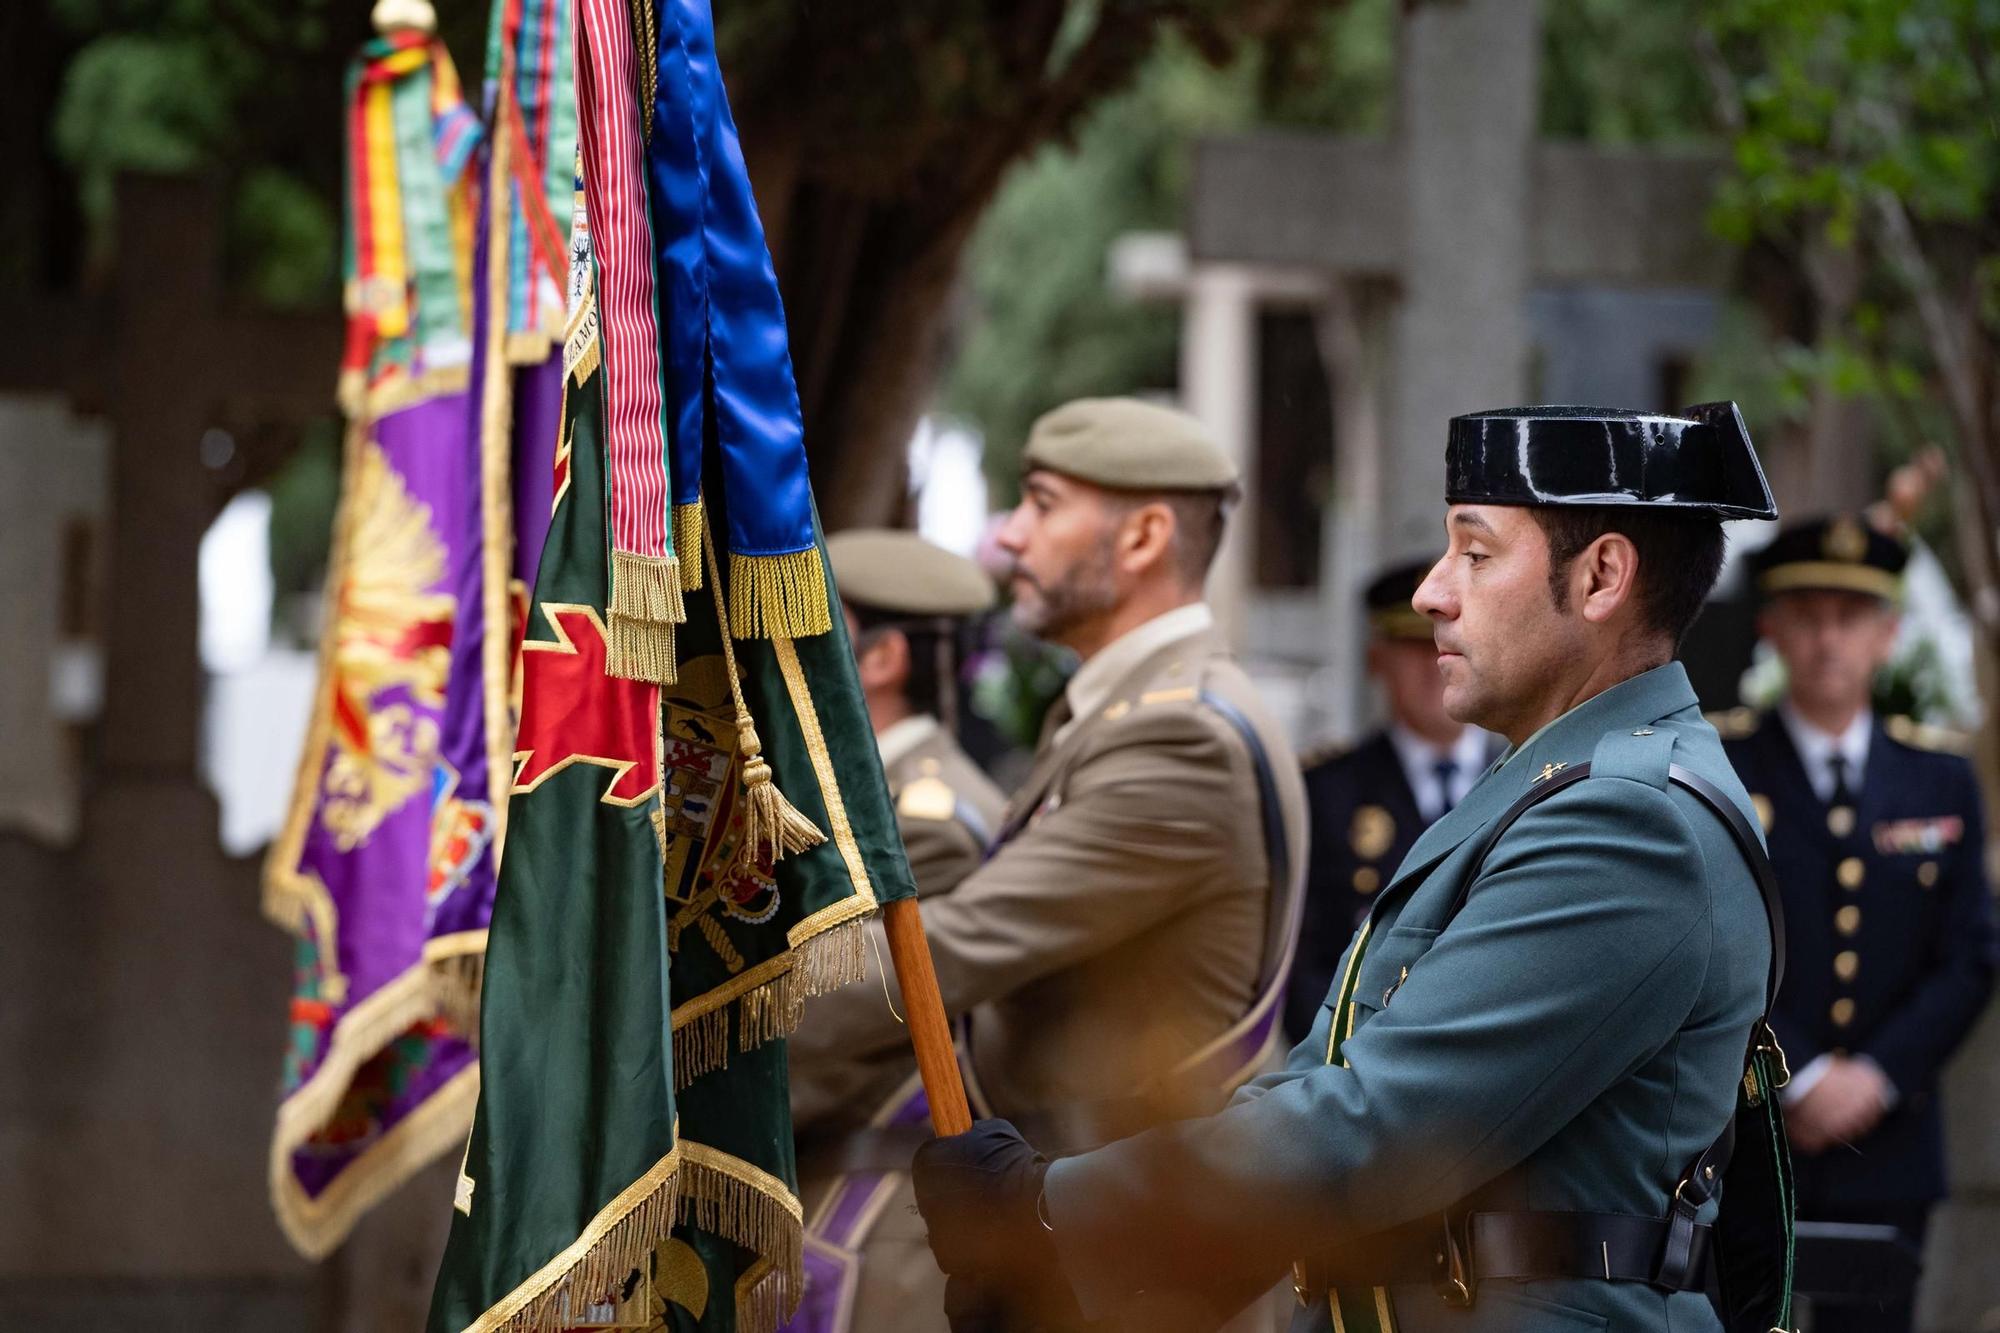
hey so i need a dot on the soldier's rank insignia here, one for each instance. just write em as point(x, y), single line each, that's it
point(1371, 832)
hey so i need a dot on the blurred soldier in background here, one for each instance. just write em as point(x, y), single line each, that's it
point(1369, 803)
point(906, 602)
point(1878, 842)
point(1120, 955)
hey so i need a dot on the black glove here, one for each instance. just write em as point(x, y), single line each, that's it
point(978, 1192)
point(980, 1195)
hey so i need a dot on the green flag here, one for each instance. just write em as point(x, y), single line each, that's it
point(686, 865)
point(569, 1176)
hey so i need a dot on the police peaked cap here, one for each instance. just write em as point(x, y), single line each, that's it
point(1388, 599)
point(1842, 551)
point(1697, 462)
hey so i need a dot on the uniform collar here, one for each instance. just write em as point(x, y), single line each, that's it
point(903, 737)
point(1563, 743)
point(1816, 748)
point(1091, 688)
point(1419, 759)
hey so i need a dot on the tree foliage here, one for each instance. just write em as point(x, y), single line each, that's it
point(1865, 139)
point(1042, 323)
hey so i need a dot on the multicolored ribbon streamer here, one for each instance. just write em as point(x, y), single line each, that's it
point(407, 286)
point(729, 365)
point(645, 577)
point(537, 38)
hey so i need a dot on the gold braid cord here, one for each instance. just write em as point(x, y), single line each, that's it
point(773, 828)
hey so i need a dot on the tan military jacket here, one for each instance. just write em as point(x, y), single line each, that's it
point(947, 811)
point(1122, 927)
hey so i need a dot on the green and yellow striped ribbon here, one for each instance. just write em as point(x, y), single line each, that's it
point(1364, 1309)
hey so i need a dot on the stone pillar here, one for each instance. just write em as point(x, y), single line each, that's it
point(1219, 386)
point(52, 470)
point(1351, 334)
point(163, 348)
point(1466, 123)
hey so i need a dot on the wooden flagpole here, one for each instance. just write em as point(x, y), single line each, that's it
point(930, 1033)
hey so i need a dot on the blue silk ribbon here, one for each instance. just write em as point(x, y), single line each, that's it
point(728, 358)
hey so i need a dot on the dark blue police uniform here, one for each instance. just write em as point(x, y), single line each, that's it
point(1889, 931)
point(1364, 820)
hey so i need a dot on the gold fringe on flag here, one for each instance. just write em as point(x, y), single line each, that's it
point(765, 1298)
point(778, 596)
point(619, 1242)
point(645, 606)
point(772, 999)
point(688, 521)
point(733, 1199)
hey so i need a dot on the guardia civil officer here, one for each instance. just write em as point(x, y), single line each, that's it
point(1876, 832)
point(906, 601)
point(1369, 803)
point(1119, 957)
point(1511, 1112)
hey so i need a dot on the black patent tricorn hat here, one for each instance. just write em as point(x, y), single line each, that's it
point(1699, 461)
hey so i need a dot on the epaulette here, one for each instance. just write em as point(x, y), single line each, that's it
point(927, 797)
point(1641, 754)
point(1926, 736)
point(1323, 753)
point(1732, 724)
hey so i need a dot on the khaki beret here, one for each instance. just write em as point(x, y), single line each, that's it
point(1128, 445)
point(886, 569)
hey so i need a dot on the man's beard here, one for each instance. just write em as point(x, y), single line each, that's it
point(1060, 607)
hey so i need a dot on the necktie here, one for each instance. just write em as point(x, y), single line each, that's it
point(1837, 765)
point(1446, 770)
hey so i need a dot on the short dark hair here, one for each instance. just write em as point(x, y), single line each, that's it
point(1680, 556)
point(933, 643)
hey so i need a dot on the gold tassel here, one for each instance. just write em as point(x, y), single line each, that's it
point(773, 827)
point(778, 596)
point(687, 543)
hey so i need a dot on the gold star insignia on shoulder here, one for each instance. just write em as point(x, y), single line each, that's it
point(1548, 771)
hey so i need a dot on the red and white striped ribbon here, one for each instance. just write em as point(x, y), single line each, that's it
point(608, 126)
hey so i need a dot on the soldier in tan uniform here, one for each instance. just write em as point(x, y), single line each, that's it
point(1119, 958)
point(906, 602)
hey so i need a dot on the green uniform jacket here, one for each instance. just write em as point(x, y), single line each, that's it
point(1571, 1040)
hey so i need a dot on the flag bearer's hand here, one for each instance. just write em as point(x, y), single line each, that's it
point(980, 1194)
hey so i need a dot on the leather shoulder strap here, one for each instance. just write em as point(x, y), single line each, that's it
point(1283, 927)
point(1709, 795)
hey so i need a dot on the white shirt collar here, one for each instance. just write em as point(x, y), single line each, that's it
point(1089, 690)
point(905, 736)
point(1816, 748)
point(1420, 759)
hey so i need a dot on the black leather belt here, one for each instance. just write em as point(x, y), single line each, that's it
point(1607, 1246)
